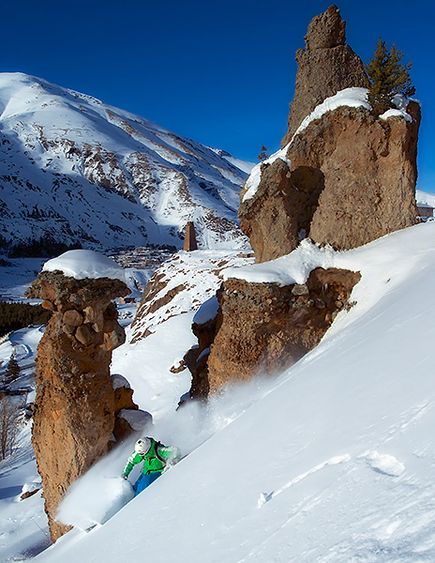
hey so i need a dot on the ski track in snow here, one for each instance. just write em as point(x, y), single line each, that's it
point(266, 497)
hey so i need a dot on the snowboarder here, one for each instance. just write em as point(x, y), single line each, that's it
point(156, 458)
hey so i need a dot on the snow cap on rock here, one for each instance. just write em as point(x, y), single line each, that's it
point(82, 264)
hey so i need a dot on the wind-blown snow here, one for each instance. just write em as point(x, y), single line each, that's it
point(333, 462)
point(85, 264)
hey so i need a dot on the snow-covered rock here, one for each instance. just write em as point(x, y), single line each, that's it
point(85, 264)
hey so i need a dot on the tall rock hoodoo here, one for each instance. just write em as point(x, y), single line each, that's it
point(326, 66)
point(345, 176)
point(76, 402)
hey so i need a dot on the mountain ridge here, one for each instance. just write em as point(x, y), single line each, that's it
point(73, 168)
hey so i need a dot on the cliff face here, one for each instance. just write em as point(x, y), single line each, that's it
point(264, 328)
point(76, 404)
point(367, 171)
point(279, 215)
point(326, 66)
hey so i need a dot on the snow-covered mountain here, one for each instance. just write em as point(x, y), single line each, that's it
point(73, 168)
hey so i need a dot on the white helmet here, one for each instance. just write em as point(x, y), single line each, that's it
point(142, 446)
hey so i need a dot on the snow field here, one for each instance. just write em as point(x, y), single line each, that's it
point(332, 460)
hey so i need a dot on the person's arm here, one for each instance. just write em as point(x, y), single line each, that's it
point(170, 454)
point(133, 460)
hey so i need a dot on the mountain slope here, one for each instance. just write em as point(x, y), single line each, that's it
point(73, 168)
point(332, 461)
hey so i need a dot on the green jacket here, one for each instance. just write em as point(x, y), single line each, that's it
point(155, 460)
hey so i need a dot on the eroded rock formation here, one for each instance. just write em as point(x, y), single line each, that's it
point(76, 404)
point(347, 177)
point(326, 66)
point(350, 178)
point(279, 215)
point(367, 174)
point(262, 327)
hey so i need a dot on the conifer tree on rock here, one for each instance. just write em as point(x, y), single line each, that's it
point(262, 156)
point(12, 370)
point(387, 77)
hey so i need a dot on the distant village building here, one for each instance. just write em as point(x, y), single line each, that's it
point(424, 211)
point(190, 238)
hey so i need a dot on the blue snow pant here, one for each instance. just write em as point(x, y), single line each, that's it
point(145, 481)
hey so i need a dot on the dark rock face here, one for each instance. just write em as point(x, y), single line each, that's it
point(76, 405)
point(326, 66)
point(265, 327)
point(279, 215)
point(197, 358)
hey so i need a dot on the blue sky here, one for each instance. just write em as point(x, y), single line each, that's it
point(219, 72)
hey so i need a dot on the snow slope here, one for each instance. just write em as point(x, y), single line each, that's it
point(160, 334)
point(23, 523)
point(332, 461)
point(73, 168)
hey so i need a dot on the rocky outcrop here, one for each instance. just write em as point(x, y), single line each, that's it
point(279, 215)
point(367, 173)
point(128, 417)
point(326, 66)
point(76, 404)
point(264, 328)
point(347, 176)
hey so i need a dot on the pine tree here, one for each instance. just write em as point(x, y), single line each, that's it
point(387, 77)
point(263, 154)
point(12, 370)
